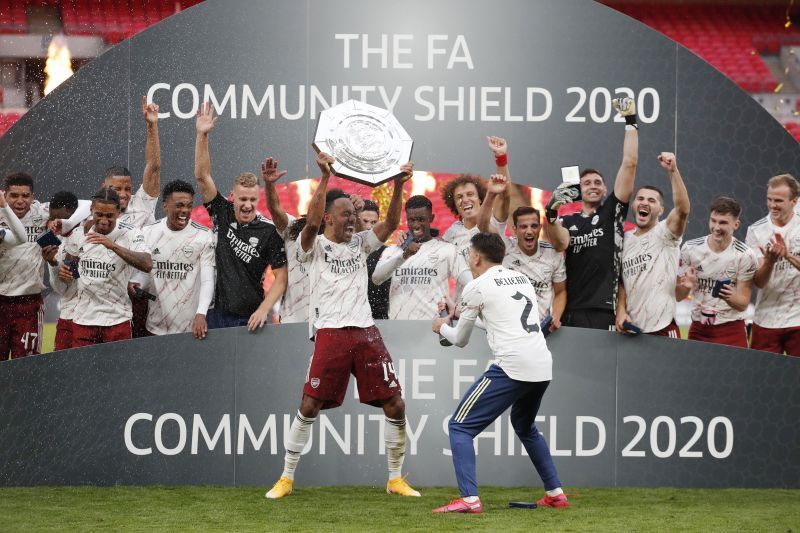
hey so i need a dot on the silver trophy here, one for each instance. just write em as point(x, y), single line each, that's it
point(368, 142)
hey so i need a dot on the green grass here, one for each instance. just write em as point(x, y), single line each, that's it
point(370, 509)
point(48, 337)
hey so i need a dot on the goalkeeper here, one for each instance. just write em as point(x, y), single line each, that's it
point(592, 238)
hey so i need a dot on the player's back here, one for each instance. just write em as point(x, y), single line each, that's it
point(509, 309)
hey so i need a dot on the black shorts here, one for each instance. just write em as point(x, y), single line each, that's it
point(590, 318)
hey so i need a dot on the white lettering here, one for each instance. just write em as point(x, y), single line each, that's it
point(224, 428)
point(246, 428)
point(129, 429)
point(181, 434)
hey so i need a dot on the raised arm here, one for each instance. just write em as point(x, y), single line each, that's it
point(151, 180)
point(316, 208)
point(17, 234)
point(623, 184)
point(676, 220)
point(202, 159)
point(271, 174)
point(496, 188)
point(385, 228)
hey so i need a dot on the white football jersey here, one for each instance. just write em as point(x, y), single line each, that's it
point(459, 236)
point(68, 297)
point(140, 211)
point(294, 305)
point(778, 304)
point(543, 268)
point(649, 273)
point(737, 262)
point(506, 302)
point(103, 283)
point(178, 259)
point(421, 281)
point(338, 278)
point(22, 266)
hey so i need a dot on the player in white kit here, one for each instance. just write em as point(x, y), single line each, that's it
point(650, 257)
point(719, 264)
point(108, 254)
point(775, 239)
point(420, 275)
point(346, 339)
point(182, 278)
point(517, 376)
point(525, 253)
point(22, 266)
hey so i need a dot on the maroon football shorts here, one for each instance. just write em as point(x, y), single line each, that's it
point(776, 340)
point(21, 320)
point(63, 334)
point(671, 330)
point(90, 335)
point(730, 333)
point(339, 352)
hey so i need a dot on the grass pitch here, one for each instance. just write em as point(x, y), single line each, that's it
point(370, 509)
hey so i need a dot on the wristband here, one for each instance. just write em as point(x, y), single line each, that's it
point(501, 160)
point(630, 120)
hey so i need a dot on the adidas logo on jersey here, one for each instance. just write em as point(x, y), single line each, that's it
point(328, 248)
point(517, 262)
point(573, 228)
point(156, 252)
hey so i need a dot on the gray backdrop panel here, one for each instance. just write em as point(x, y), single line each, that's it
point(216, 412)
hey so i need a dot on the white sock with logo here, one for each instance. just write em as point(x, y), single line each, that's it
point(394, 436)
point(296, 441)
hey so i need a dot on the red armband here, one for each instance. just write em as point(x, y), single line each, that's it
point(501, 160)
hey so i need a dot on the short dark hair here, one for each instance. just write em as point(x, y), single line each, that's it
point(523, 210)
point(117, 171)
point(725, 205)
point(369, 205)
point(106, 196)
point(64, 199)
point(654, 188)
point(19, 179)
point(587, 171)
point(490, 246)
point(333, 195)
point(450, 187)
point(176, 186)
point(417, 201)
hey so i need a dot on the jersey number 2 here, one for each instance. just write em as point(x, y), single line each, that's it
point(526, 313)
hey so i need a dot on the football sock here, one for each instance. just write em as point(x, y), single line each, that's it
point(471, 499)
point(555, 492)
point(296, 441)
point(395, 438)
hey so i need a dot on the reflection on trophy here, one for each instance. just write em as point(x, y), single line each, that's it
point(368, 142)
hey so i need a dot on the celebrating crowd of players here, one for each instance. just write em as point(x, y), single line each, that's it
point(120, 273)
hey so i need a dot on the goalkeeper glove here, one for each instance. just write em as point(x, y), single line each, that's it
point(564, 194)
point(626, 107)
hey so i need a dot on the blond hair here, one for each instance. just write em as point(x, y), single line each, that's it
point(246, 179)
point(788, 180)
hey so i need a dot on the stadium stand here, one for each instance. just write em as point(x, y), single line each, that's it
point(730, 38)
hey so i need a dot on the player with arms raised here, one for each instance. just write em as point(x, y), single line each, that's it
point(517, 377)
point(346, 338)
point(650, 258)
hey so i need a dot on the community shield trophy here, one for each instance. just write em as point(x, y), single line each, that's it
point(368, 142)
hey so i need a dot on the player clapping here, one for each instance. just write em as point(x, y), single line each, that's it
point(775, 239)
